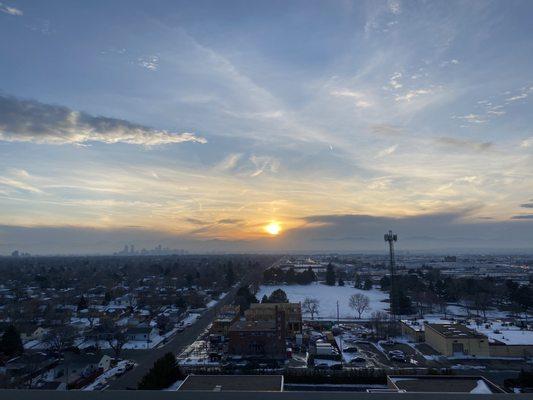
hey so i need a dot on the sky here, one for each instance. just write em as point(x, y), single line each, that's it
point(196, 124)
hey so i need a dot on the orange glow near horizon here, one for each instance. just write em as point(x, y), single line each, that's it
point(273, 228)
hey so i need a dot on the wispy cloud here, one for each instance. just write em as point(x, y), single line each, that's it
point(517, 97)
point(471, 118)
point(388, 151)
point(10, 10)
point(359, 98)
point(19, 185)
point(229, 162)
point(394, 81)
point(263, 164)
point(526, 143)
point(522, 216)
point(465, 144)
point(395, 6)
point(32, 121)
point(150, 63)
point(386, 129)
point(412, 94)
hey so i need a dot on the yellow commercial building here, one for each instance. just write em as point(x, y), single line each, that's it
point(456, 340)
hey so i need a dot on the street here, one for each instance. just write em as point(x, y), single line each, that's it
point(146, 358)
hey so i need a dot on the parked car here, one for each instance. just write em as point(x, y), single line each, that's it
point(352, 349)
point(396, 352)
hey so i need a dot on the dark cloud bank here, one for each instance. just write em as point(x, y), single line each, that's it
point(342, 233)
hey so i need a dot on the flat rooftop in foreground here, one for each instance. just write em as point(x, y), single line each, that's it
point(439, 384)
point(194, 395)
point(225, 383)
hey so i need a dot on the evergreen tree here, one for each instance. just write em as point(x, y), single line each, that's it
point(278, 296)
point(264, 299)
point(10, 343)
point(82, 304)
point(290, 277)
point(163, 374)
point(357, 283)
point(385, 282)
point(243, 298)
point(330, 275)
point(368, 284)
point(404, 304)
point(230, 275)
point(311, 276)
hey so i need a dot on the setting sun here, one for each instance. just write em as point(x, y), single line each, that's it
point(273, 228)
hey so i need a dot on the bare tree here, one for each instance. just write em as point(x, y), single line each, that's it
point(59, 338)
point(92, 316)
point(359, 303)
point(311, 306)
point(379, 321)
point(116, 341)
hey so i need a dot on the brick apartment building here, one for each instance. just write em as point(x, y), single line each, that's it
point(267, 312)
point(259, 338)
point(225, 318)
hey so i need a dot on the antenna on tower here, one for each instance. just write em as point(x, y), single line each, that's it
point(393, 295)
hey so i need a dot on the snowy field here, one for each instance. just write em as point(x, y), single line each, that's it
point(328, 297)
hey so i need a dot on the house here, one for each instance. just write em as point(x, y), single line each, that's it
point(141, 333)
point(455, 340)
point(267, 312)
point(27, 365)
point(258, 338)
point(32, 333)
point(127, 300)
point(77, 366)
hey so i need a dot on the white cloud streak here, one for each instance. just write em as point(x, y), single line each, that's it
point(31, 121)
point(10, 10)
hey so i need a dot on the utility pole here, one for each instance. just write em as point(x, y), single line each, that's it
point(337, 311)
point(393, 294)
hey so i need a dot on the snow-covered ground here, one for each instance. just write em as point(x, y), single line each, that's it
point(190, 319)
point(174, 386)
point(328, 297)
point(481, 388)
point(214, 302)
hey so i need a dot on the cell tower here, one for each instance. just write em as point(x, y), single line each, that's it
point(393, 295)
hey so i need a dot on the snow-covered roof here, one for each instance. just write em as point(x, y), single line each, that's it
point(504, 333)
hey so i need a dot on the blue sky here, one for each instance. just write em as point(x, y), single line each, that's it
point(195, 124)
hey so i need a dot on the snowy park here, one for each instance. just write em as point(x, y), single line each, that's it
point(328, 297)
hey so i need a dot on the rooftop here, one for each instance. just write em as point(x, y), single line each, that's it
point(440, 384)
point(456, 331)
point(218, 383)
point(251, 326)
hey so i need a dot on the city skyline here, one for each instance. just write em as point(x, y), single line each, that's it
point(282, 126)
